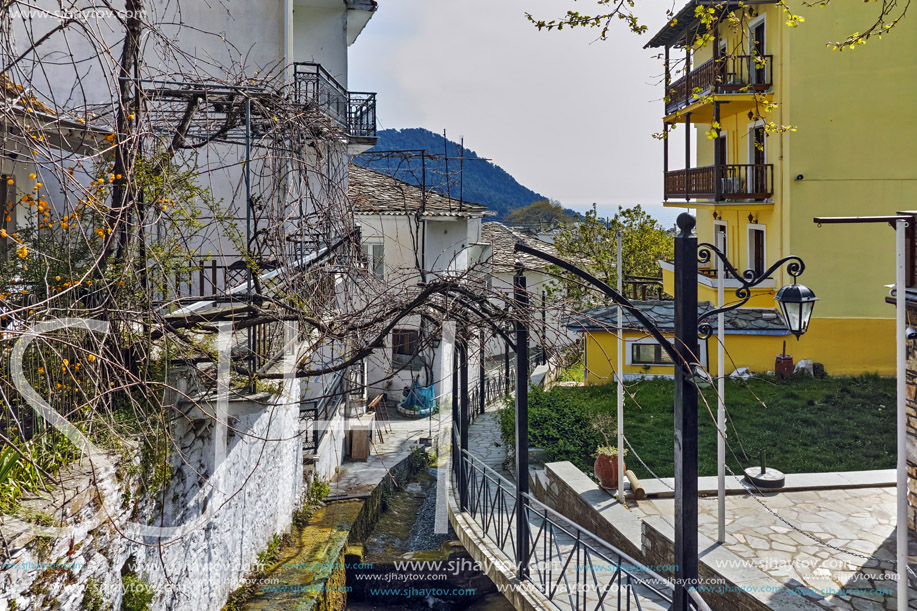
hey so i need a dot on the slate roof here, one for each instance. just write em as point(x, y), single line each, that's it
point(503, 241)
point(743, 321)
point(373, 192)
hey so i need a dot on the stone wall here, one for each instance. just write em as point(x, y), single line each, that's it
point(215, 525)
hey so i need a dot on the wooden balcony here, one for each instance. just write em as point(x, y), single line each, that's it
point(730, 74)
point(736, 182)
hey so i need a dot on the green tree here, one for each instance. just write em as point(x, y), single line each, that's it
point(539, 216)
point(591, 242)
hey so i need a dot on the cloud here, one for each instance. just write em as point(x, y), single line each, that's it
point(567, 115)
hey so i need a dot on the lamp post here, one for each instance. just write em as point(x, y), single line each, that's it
point(689, 327)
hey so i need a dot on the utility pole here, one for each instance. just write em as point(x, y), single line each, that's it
point(521, 299)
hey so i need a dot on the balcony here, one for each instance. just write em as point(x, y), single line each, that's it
point(354, 111)
point(736, 182)
point(732, 74)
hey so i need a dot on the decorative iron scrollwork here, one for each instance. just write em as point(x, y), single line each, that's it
point(749, 279)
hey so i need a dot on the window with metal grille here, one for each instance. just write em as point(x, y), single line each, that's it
point(406, 349)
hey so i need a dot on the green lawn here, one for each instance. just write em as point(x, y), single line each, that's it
point(804, 424)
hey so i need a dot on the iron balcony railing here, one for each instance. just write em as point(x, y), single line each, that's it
point(750, 181)
point(729, 74)
point(568, 565)
point(355, 111)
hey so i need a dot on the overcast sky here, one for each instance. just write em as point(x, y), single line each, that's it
point(568, 115)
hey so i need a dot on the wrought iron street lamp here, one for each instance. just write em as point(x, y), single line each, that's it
point(685, 354)
point(796, 302)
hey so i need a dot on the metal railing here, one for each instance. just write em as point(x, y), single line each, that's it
point(321, 411)
point(496, 386)
point(361, 114)
point(355, 111)
point(643, 287)
point(204, 279)
point(729, 74)
point(569, 566)
point(752, 181)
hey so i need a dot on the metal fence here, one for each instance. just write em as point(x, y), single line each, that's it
point(496, 386)
point(322, 410)
point(569, 566)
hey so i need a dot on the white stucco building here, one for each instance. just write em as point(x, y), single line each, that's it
point(271, 125)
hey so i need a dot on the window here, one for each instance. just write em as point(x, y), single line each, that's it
point(757, 156)
point(756, 36)
point(757, 251)
point(406, 349)
point(649, 354)
point(374, 253)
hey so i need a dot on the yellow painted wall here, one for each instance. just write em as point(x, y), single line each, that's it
point(843, 346)
point(853, 145)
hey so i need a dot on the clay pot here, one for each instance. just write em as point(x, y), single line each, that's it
point(606, 469)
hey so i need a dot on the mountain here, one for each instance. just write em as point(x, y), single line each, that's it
point(481, 181)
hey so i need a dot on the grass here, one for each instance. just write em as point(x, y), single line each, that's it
point(806, 425)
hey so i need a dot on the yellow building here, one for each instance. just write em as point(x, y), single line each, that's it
point(804, 131)
point(754, 337)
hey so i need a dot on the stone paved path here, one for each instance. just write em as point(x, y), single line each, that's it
point(860, 520)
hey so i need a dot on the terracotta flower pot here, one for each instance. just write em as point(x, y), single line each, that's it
point(606, 469)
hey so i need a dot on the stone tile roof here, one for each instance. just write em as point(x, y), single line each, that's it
point(373, 192)
point(503, 241)
point(745, 321)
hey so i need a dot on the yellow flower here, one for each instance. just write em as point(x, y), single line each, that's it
point(23, 253)
point(91, 358)
point(38, 184)
point(10, 181)
point(41, 370)
point(2, 233)
point(33, 176)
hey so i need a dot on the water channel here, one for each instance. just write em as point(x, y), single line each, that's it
point(350, 556)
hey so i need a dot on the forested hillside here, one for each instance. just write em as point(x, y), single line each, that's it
point(480, 181)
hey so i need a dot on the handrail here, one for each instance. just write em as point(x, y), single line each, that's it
point(320, 71)
point(577, 532)
point(726, 74)
point(698, 601)
point(752, 181)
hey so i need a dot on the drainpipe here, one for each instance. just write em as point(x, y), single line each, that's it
point(288, 40)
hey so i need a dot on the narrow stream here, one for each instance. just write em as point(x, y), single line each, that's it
point(439, 574)
point(325, 569)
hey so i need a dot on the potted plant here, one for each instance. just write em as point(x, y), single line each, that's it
point(606, 455)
